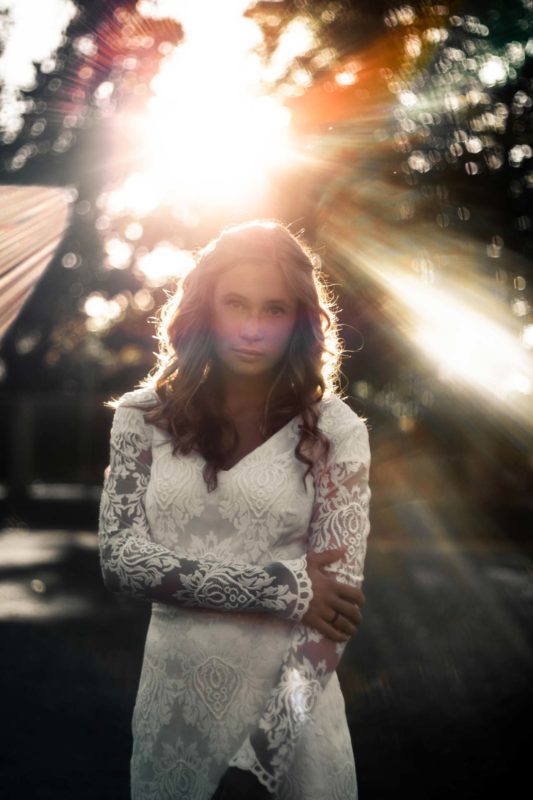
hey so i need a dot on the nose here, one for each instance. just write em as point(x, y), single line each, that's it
point(251, 328)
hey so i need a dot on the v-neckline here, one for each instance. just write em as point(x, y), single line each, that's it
point(259, 446)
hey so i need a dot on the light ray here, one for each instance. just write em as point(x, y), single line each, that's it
point(33, 220)
point(455, 321)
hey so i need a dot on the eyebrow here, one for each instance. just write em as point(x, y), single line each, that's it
point(241, 297)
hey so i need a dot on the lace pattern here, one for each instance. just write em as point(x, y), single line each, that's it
point(132, 563)
point(341, 517)
point(258, 692)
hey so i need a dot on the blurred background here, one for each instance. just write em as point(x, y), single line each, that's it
point(399, 139)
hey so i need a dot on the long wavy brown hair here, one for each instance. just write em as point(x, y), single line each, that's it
point(189, 407)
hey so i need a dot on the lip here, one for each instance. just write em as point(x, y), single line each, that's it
point(243, 352)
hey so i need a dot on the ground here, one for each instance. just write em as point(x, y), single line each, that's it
point(436, 681)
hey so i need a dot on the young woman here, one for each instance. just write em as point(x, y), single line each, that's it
point(236, 501)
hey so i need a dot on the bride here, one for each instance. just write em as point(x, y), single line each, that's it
point(236, 502)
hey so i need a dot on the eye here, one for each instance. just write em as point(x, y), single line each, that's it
point(277, 311)
point(233, 303)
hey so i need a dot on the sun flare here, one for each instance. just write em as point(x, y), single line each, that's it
point(211, 132)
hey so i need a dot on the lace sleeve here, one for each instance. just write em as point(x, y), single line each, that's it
point(133, 563)
point(340, 517)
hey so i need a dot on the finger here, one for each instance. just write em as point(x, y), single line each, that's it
point(346, 626)
point(352, 594)
point(332, 633)
point(335, 634)
point(347, 623)
point(350, 611)
point(328, 556)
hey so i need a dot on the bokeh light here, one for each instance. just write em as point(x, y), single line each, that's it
point(388, 141)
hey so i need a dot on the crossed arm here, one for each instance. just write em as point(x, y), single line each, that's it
point(132, 563)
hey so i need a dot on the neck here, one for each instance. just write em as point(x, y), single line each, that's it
point(243, 392)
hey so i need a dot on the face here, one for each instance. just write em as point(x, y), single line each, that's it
point(253, 310)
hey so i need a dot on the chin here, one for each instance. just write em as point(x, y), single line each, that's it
point(250, 369)
point(240, 367)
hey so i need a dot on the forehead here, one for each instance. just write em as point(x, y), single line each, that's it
point(256, 280)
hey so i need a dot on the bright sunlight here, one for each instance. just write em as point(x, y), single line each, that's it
point(210, 132)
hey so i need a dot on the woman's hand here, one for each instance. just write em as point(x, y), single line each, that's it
point(331, 596)
point(240, 784)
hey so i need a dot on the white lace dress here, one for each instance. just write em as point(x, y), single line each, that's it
point(230, 675)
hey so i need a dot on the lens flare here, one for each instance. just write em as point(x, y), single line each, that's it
point(210, 134)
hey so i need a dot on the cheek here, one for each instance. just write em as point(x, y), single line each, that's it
point(281, 334)
point(222, 326)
